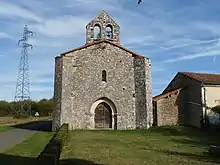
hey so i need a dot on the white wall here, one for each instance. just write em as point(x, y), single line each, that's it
point(212, 99)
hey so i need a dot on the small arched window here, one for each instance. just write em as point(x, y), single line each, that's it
point(97, 32)
point(109, 32)
point(104, 76)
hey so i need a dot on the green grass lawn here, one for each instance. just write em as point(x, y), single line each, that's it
point(5, 128)
point(26, 152)
point(162, 146)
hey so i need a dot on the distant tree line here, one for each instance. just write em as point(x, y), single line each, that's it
point(44, 107)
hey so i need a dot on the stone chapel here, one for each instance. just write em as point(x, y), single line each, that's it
point(102, 85)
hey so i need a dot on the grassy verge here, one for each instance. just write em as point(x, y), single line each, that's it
point(27, 151)
point(173, 146)
point(5, 128)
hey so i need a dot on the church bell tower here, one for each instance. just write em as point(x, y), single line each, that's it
point(102, 27)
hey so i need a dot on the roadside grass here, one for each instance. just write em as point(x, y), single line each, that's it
point(5, 128)
point(157, 146)
point(26, 152)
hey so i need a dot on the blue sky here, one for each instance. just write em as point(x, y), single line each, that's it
point(176, 35)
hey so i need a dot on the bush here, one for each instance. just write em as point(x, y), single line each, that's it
point(216, 109)
point(62, 134)
point(5, 108)
point(215, 150)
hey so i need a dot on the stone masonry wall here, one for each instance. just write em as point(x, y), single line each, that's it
point(191, 99)
point(168, 110)
point(103, 19)
point(57, 93)
point(148, 82)
point(82, 85)
point(143, 92)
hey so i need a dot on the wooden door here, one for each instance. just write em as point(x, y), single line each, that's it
point(103, 116)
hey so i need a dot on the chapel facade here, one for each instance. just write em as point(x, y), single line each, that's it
point(102, 85)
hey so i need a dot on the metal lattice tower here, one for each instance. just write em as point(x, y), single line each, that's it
point(22, 95)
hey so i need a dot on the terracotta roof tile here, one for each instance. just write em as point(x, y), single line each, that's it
point(100, 41)
point(163, 95)
point(203, 77)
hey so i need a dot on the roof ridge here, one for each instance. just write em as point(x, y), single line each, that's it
point(101, 12)
point(100, 41)
point(203, 77)
point(162, 95)
point(201, 73)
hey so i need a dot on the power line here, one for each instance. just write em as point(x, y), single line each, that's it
point(22, 95)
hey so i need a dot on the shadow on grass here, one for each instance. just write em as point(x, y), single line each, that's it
point(176, 131)
point(202, 142)
point(43, 125)
point(183, 130)
point(190, 135)
point(77, 162)
point(203, 157)
point(193, 137)
point(19, 160)
point(15, 160)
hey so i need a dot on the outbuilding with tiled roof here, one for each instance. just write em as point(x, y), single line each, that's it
point(188, 99)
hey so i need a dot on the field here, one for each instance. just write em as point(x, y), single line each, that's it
point(162, 146)
point(9, 121)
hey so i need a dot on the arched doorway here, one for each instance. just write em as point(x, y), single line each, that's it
point(108, 120)
point(103, 116)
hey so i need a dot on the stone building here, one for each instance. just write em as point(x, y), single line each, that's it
point(187, 100)
point(166, 108)
point(102, 85)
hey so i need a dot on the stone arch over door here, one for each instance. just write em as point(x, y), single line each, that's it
point(103, 114)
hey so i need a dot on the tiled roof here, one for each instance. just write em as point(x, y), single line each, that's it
point(163, 95)
point(100, 41)
point(203, 77)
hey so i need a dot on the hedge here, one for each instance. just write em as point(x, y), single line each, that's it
point(51, 153)
point(215, 150)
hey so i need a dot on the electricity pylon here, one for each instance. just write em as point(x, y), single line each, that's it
point(22, 95)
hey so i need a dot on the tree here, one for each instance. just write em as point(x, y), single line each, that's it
point(5, 108)
point(44, 107)
point(216, 109)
